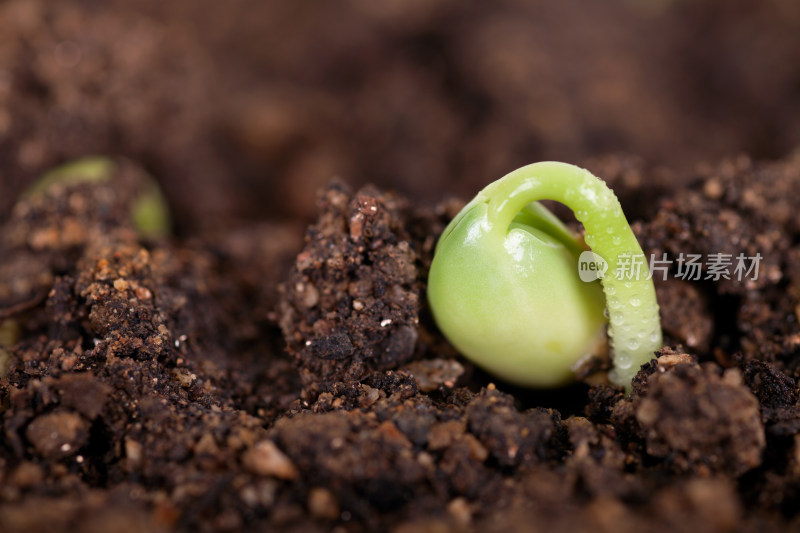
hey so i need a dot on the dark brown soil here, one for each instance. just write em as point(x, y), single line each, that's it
point(245, 375)
point(147, 380)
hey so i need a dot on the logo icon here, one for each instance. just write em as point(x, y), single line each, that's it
point(591, 266)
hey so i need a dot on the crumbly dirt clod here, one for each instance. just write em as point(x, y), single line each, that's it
point(351, 304)
point(694, 418)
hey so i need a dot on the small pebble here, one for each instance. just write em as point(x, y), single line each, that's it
point(323, 504)
point(57, 435)
point(266, 459)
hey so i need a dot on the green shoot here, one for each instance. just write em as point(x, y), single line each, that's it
point(504, 285)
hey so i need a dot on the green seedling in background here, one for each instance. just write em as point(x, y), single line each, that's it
point(504, 285)
point(150, 213)
point(148, 210)
point(86, 170)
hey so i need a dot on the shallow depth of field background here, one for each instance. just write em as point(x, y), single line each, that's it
point(242, 109)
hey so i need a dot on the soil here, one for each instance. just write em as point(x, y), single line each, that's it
point(272, 365)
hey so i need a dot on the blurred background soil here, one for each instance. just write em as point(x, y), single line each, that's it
point(241, 109)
